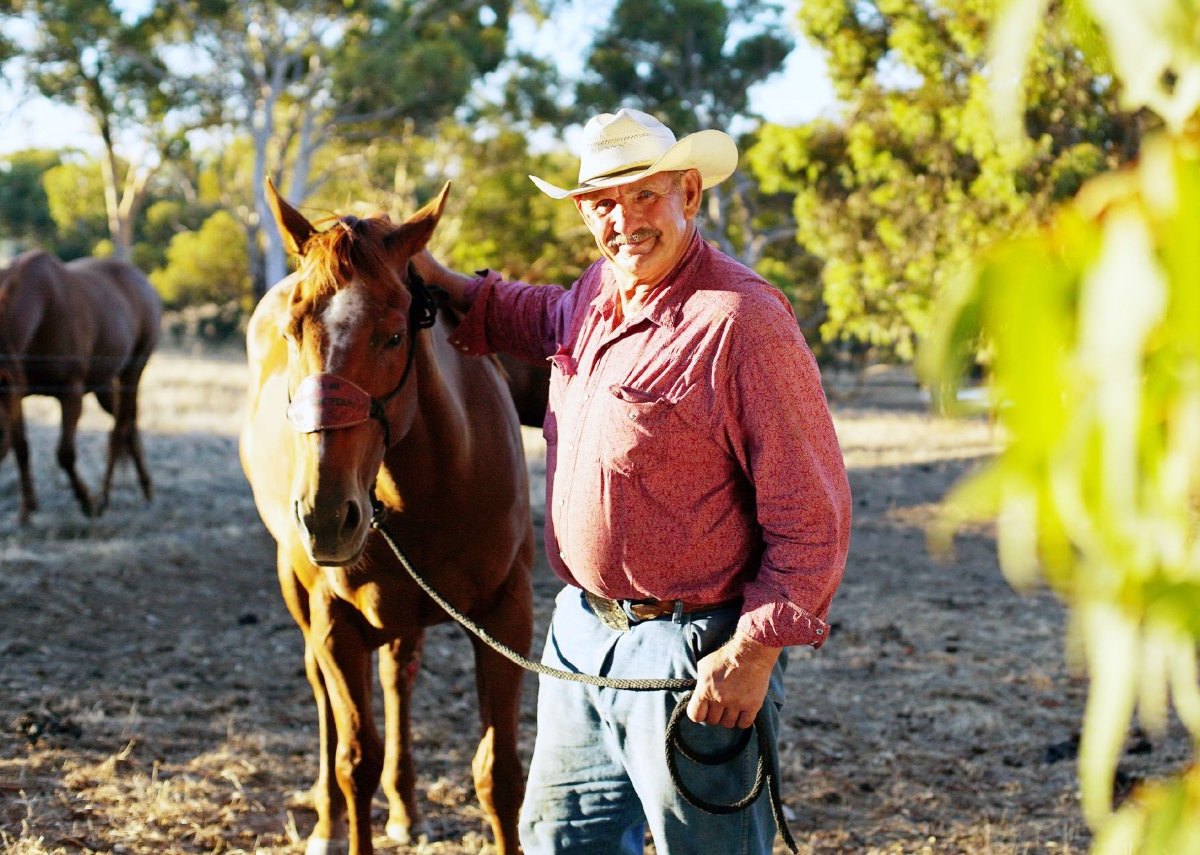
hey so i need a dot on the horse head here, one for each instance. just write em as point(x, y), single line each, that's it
point(355, 311)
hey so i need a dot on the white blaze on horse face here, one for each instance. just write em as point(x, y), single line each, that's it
point(347, 311)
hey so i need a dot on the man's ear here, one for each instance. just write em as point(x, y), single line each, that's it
point(691, 184)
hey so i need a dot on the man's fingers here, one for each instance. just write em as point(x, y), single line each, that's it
point(706, 711)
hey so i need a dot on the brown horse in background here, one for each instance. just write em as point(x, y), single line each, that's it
point(351, 403)
point(65, 330)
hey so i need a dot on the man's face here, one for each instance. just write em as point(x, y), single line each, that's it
point(644, 227)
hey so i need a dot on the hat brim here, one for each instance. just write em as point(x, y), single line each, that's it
point(713, 153)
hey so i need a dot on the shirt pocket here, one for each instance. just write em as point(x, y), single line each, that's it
point(642, 432)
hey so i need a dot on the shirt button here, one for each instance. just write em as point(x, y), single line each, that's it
point(563, 556)
point(632, 414)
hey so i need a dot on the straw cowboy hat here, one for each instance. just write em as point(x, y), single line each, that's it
point(626, 146)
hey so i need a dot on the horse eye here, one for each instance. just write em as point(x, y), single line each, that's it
point(396, 340)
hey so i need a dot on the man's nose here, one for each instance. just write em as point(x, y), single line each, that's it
point(623, 219)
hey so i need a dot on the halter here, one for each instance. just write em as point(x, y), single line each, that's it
point(328, 402)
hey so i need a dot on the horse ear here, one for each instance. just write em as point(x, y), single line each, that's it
point(293, 226)
point(410, 237)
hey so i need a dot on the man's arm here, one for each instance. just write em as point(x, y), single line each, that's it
point(789, 450)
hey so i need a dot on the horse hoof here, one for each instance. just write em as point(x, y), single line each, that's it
point(399, 832)
point(321, 846)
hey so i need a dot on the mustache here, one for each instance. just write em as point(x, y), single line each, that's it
point(617, 241)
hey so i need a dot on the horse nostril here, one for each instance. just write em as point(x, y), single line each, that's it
point(353, 516)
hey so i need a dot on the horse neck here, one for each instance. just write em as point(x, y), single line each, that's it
point(440, 430)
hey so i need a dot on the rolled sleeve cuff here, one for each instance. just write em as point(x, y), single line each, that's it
point(780, 623)
point(470, 336)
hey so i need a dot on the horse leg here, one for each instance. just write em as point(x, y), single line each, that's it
point(121, 400)
point(399, 662)
point(345, 661)
point(20, 447)
point(328, 836)
point(72, 407)
point(499, 779)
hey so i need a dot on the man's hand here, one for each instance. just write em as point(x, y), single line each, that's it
point(454, 284)
point(732, 683)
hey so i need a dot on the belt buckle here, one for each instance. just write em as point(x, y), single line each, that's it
point(609, 612)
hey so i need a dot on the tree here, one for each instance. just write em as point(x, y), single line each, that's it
point(206, 265)
point(24, 209)
point(74, 194)
point(911, 181)
point(297, 75)
point(85, 55)
point(1093, 323)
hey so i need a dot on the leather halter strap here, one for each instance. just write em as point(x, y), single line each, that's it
point(329, 401)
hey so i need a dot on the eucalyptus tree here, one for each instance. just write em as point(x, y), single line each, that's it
point(296, 75)
point(83, 53)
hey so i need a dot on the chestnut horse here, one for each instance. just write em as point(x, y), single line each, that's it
point(352, 403)
point(65, 330)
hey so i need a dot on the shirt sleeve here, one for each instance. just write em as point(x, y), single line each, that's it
point(512, 317)
point(790, 452)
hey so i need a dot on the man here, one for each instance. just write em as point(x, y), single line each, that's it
point(697, 501)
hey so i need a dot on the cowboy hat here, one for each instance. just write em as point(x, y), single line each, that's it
point(626, 146)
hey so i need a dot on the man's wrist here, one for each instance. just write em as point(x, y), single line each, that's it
point(747, 651)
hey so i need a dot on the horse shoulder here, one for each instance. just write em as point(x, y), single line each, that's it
point(266, 349)
point(264, 446)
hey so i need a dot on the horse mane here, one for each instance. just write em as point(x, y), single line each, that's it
point(352, 246)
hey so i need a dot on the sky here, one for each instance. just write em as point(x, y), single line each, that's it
point(799, 93)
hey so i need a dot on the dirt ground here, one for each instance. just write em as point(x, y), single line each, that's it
point(152, 696)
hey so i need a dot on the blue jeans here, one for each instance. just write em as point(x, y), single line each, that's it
point(599, 775)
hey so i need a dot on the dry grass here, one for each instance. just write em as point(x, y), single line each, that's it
point(152, 698)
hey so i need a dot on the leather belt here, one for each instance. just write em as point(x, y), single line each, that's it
point(615, 613)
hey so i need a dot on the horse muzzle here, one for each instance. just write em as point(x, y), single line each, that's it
point(333, 536)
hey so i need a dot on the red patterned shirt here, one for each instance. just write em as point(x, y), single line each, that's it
point(690, 451)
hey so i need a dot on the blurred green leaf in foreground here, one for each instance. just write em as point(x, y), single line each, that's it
point(1090, 330)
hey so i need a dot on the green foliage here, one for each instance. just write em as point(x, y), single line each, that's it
point(900, 192)
point(1092, 324)
point(75, 194)
point(207, 265)
point(24, 208)
point(508, 225)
